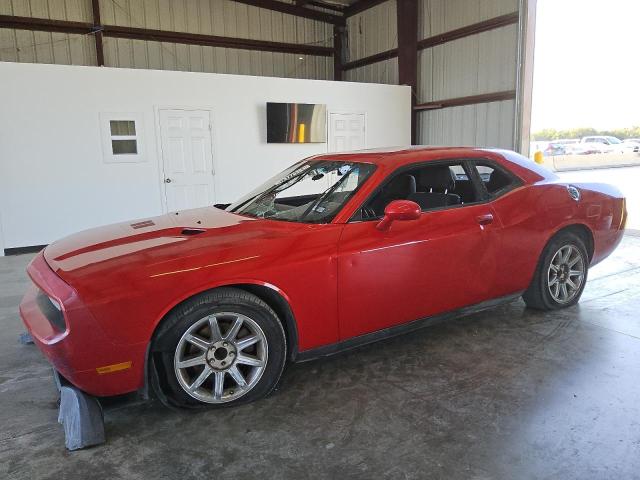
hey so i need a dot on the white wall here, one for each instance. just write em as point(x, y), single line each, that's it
point(53, 180)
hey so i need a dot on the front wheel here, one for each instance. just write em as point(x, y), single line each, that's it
point(561, 274)
point(223, 347)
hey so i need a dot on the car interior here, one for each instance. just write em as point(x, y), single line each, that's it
point(435, 186)
point(494, 180)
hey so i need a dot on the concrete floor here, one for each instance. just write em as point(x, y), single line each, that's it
point(507, 393)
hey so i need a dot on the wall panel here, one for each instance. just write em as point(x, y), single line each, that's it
point(369, 32)
point(482, 125)
point(438, 16)
point(215, 17)
point(482, 63)
point(44, 47)
point(209, 17)
point(379, 72)
point(372, 31)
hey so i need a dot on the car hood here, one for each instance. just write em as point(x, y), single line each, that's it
point(174, 240)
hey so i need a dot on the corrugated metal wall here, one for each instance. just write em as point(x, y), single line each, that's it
point(43, 47)
point(482, 63)
point(213, 17)
point(379, 72)
point(484, 124)
point(438, 16)
point(370, 32)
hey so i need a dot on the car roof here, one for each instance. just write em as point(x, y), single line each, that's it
point(391, 158)
point(408, 154)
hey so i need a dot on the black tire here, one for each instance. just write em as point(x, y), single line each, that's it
point(164, 378)
point(538, 296)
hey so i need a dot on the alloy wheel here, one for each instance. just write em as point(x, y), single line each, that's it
point(221, 357)
point(566, 274)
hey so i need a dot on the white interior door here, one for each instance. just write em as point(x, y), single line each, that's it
point(187, 158)
point(346, 132)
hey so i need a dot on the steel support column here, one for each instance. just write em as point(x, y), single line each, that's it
point(97, 25)
point(338, 52)
point(407, 12)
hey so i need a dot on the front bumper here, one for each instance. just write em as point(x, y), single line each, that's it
point(82, 350)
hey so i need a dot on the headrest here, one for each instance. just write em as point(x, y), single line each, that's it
point(497, 180)
point(438, 177)
point(401, 186)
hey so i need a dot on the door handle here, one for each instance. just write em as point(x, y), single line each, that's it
point(167, 180)
point(485, 219)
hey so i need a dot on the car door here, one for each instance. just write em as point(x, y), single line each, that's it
point(520, 233)
point(440, 262)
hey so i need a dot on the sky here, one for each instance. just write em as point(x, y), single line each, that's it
point(587, 64)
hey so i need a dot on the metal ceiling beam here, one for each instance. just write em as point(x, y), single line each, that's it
point(45, 25)
point(470, 100)
point(362, 5)
point(297, 10)
point(473, 29)
point(364, 61)
point(328, 6)
point(82, 28)
point(214, 41)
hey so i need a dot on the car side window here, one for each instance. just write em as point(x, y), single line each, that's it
point(434, 186)
point(495, 180)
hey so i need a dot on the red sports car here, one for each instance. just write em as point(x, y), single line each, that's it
point(339, 250)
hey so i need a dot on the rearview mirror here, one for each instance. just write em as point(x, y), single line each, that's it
point(399, 210)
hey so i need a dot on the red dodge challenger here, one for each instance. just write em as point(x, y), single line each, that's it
point(337, 251)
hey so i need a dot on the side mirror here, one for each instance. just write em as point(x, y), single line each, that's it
point(399, 210)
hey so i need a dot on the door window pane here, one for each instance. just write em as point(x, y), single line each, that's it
point(430, 186)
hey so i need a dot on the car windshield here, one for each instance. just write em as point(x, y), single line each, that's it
point(308, 192)
point(614, 140)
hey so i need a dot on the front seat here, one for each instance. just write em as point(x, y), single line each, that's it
point(435, 183)
point(399, 188)
point(497, 180)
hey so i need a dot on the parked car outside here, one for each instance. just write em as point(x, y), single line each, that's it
point(569, 146)
point(634, 142)
point(610, 144)
point(555, 149)
point(586, 148)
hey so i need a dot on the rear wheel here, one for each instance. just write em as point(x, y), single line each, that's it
point(223, 347)
point(561, 274)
